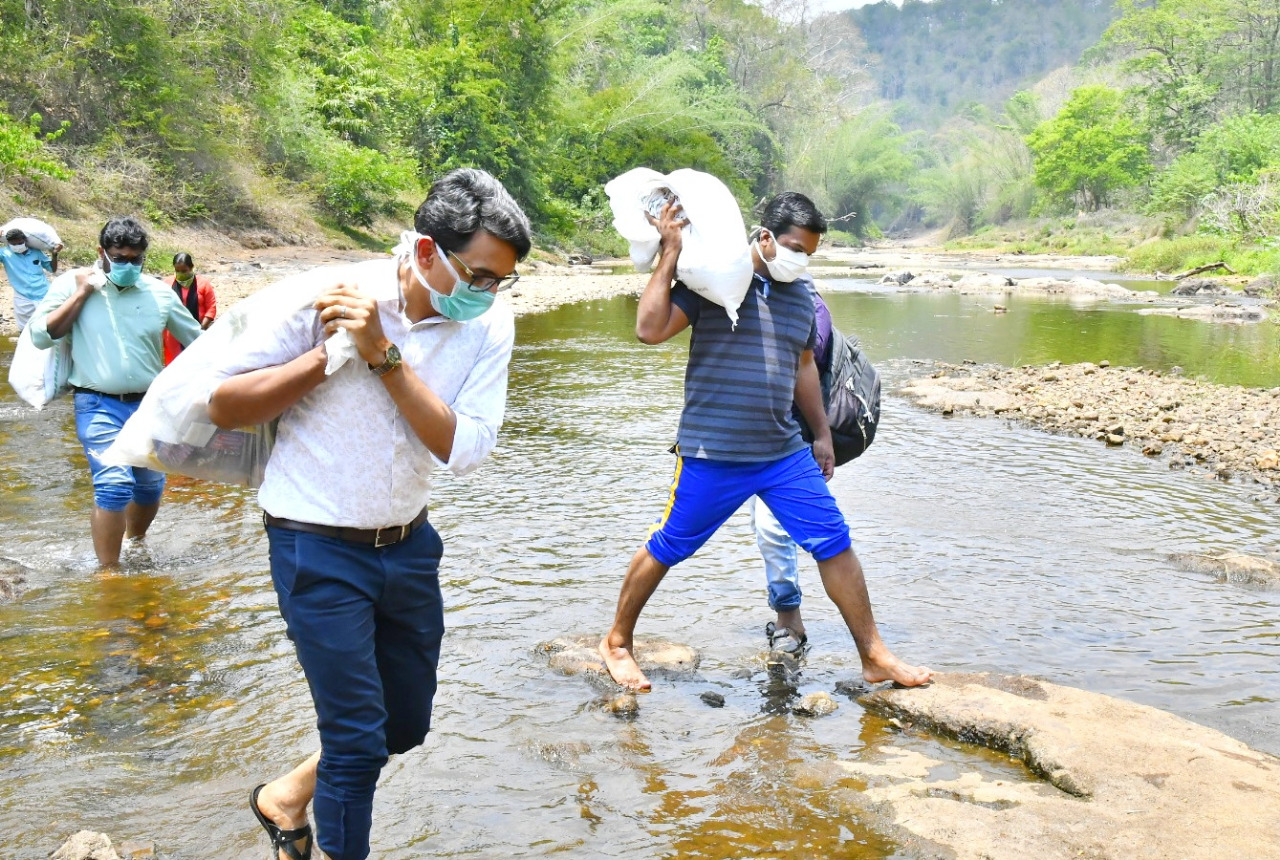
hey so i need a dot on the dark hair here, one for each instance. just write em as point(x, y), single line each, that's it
point(123, 231)
point(182, 258)
point(15, 237)
point(467, 200)
point(792, 209)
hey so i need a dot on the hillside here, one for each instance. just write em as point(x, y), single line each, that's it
point(932, 59)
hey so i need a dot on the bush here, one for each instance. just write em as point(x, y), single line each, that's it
point(1177, 254)
point(356, 184)
point(23, 151)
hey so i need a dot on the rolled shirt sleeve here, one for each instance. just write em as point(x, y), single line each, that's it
point(479, 406)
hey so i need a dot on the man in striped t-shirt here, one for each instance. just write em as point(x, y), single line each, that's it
point(738, 437)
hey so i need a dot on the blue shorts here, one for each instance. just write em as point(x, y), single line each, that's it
point(705, 493)
point(98, 422)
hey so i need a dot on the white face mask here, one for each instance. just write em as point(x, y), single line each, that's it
point(786, 265)
point(18, 249)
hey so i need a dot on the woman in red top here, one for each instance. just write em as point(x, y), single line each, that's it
point(196, 293)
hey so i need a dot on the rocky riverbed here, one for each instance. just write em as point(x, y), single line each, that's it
point(1229, 431)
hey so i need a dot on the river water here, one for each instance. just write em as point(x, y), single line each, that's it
point(146, 704)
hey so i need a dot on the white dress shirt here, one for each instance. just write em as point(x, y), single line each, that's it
point(344, 455)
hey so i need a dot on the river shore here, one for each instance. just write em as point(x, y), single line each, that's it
point(1224, 430)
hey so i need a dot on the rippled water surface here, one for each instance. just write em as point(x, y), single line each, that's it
point(147, 704)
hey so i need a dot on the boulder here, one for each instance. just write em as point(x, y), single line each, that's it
point(898, 278)
point(1199, 287)
point(983, 283)
point(1121, 780)
point(86, 845)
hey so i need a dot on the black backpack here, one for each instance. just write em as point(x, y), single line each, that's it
point(851, 392)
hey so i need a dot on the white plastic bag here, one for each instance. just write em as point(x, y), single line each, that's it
point(172, 431)
point(715, 260)
point(39, 376)
point(40, 235)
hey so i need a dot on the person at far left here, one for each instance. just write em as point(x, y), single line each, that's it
point(114, 319)
point(25, 267)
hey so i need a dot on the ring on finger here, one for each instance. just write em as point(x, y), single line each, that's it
point(342, 311)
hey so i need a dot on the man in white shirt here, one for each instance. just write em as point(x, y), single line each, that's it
point(353, 557)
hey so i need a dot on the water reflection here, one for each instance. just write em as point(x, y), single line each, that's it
point(159, 697)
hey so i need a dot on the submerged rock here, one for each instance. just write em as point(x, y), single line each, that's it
point(86, 845)
point(573, 655)
point(1231, 567)
point(1124, 780)
point(12, 577)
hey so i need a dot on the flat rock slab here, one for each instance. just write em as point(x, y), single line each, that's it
point(574, 655)
point(1234, 567)
point(1125, 781)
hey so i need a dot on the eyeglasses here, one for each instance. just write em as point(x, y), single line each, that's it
point(483, 283)
point(127, 260)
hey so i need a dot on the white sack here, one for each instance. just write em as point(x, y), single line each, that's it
point(40, 235)
point(39, 376)
point(715, 260)
point(172, 432)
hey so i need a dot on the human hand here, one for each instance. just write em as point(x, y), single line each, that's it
point(345, 307)
point(825, 455)
point(88, 279)
point(670, 222)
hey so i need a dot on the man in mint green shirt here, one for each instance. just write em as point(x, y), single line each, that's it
point(116, 318)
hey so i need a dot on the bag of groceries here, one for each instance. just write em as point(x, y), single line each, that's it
point(171, 430)
point(40, 235)
point(715, 260)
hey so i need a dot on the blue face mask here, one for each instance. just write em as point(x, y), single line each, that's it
point(125, 274)
point(463, 303)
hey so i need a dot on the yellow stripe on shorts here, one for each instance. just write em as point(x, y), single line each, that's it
point(671, 497)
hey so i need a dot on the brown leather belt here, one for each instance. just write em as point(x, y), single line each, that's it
point(132, 397)
point(385, 536)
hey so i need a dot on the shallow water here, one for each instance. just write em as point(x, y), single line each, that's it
point(147, 704)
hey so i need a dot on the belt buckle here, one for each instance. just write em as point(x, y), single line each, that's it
point(399, 532)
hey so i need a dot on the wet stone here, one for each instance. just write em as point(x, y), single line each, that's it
point(625, 706)
point(712, 699)
point(575, 655)
point(816, 705)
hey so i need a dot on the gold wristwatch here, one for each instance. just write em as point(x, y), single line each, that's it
point(389, 364)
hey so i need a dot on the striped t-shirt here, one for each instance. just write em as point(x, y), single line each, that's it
point(740, 382)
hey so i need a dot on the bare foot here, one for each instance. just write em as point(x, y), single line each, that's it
point(279, 804)
point(884, 666)
point(622, 667)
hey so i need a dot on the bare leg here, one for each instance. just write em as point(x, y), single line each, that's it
point(842, 578)
point(285, 800)
point(137, 519)
point(790, 619)
point(108, 533)
point(638, 586)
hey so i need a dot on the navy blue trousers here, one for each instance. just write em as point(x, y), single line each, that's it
point(367, 624)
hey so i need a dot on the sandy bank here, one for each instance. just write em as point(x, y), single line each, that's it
point(542, 286)
point(1229, 431)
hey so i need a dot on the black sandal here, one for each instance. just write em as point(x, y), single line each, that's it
point(282, 840)
point(784, 640)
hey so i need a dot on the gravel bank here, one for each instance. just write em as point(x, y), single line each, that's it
point(1229, 431)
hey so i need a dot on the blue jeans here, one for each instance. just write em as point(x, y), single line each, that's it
point(98, 422)
point(366, 623)
point(778, 550)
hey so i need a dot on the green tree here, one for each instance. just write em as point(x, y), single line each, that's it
point(1091, 149)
